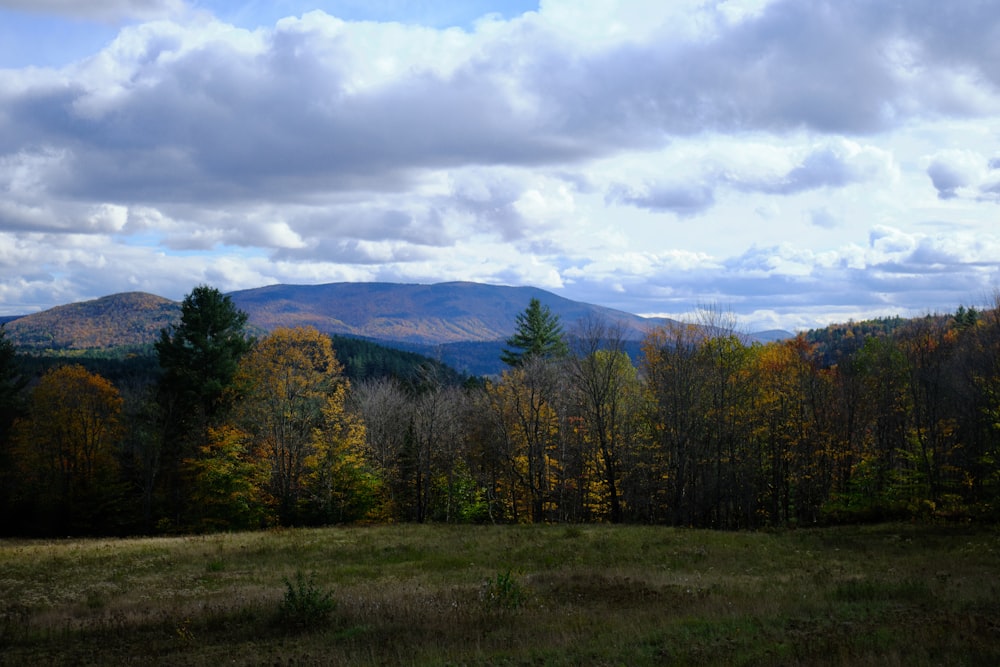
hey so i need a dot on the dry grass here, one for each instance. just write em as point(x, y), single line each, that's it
point(882, 595)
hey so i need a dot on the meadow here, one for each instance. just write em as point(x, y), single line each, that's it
point(890, 594)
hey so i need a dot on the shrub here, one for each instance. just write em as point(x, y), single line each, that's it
point(305, 604)
point(503, 592)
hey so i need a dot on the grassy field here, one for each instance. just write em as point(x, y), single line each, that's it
point(508, 595)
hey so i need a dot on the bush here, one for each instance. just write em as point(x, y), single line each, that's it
point(305, 605)
point(503, 592)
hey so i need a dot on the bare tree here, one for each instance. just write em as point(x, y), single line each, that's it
point(607, 384)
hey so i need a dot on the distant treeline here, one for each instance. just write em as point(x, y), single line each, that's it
point(214, 429)
point(362, 360)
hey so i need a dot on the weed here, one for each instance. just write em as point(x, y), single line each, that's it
point(502, 592)
point(183, 631)
point(305, 604)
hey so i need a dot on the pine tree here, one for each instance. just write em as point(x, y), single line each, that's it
point(199, 357)
point(539, 334)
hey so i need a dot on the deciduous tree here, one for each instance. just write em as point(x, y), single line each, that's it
point(607, 384)
point(65, 451)
point(293, 405)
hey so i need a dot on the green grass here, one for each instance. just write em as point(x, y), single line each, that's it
point(509, 595)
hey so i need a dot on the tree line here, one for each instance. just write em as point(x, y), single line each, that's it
point(707, 429)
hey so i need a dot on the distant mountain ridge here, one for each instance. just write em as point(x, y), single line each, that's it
point(423, 314)
point(427, 317)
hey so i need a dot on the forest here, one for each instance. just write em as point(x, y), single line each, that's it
point(216, 429)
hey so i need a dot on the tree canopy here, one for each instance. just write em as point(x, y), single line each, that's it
point(65, 450)
point(199, 355)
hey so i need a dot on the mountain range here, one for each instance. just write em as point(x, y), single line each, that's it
point(456, 322)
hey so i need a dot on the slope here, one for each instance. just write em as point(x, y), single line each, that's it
point(423, 314)
point(119, 320)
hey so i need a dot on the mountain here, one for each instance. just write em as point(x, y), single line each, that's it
point(120, 320)
point(461, 324)
point(421, 314)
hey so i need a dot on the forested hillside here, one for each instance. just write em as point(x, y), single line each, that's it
point(130, 319)
point(864, 421)
point(422, 314)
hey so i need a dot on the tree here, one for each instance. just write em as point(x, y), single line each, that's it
point(199, 357)
point(65, 451)
point(387, 411)
point(525, 427)
point(12, 383)
point(607, 384)
point(539, 334)
point(677, 387)
point(292, 405)
point(697, 377)
point(341, 485)
point(229, 479)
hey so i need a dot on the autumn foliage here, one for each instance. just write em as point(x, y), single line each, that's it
point(862, 422)
point(64, 451)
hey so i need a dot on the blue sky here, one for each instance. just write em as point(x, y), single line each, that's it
point(794, 163)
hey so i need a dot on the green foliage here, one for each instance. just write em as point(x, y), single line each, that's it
point(199, 355)
point(133, 366)
point(366, 360)
point(458, 498)
point(12, 382)
point(228, 484)
point(966, 318)
point(539, 334)
point(838, 341)
point(503, 592)
point(305, 605)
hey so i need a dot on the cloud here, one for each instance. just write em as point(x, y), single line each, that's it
point(898, 272)
point(755, 169)
point(683, 200)
point(99, 10)
point(822, 218)
point(554, 148)
point(831, 166)
point(212, 112)
point(952, 170)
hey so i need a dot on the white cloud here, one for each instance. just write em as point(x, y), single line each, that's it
point(782, 157)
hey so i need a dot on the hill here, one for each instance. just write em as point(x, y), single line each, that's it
point(422, 314)
point(461, 324)
point(129, 319)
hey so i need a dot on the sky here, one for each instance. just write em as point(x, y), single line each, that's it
point(793, 164)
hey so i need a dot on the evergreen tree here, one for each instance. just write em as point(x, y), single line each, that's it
point(199, 357)
point(539, 334)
